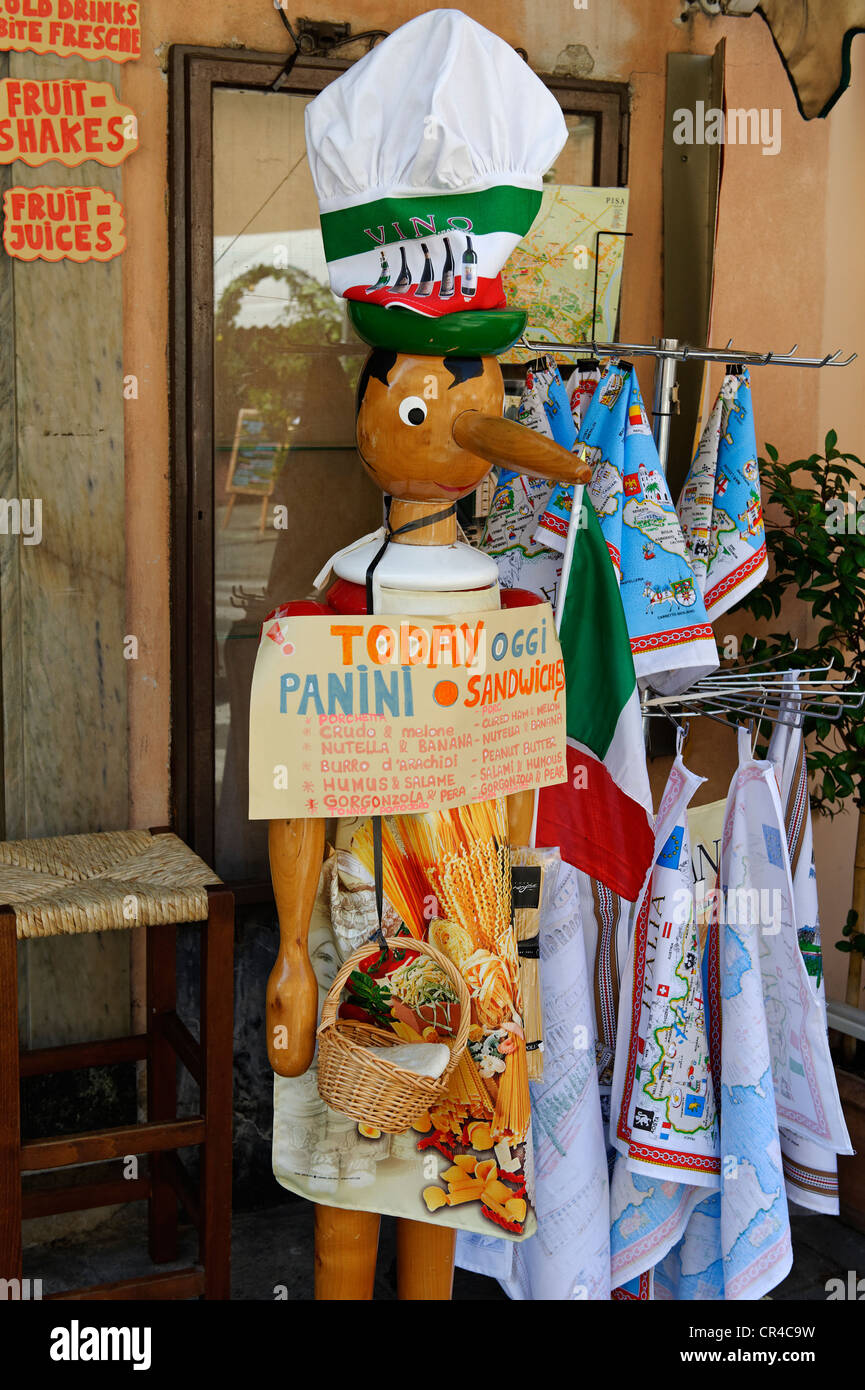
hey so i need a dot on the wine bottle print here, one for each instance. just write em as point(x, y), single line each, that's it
point(469, 271)
point(447, 285)
point(383, 278)
point(403, 281)
point(427, 279)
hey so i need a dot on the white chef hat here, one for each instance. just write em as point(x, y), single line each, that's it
point(427, 158)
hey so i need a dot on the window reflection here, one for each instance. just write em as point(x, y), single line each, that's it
point(288, 486)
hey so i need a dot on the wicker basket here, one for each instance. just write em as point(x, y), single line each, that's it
point(368, 1088)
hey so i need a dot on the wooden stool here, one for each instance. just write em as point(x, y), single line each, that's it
point(117, 881)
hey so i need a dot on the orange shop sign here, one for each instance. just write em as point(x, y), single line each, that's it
point(90, 29)
point(62, 224)
point(68, 121)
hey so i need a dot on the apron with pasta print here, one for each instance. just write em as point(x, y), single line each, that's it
point(446, 879)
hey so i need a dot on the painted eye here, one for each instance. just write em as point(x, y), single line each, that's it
point(412, 411)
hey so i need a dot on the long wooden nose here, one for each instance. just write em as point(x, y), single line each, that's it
point(514, 446)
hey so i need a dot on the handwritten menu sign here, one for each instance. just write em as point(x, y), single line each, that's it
point(66, 121)
point(353, 716)
point(91, 29)
point(255, 460)
point(56, 224)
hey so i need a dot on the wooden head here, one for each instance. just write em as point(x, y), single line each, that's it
point(407, 406)
point(429, 428)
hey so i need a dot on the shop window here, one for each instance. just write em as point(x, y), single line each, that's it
point(267, 482)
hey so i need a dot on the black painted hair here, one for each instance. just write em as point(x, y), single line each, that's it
point(378, 364)
point(381, 360)
point(463, 369)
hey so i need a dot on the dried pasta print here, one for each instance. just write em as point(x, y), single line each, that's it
point(448, 875)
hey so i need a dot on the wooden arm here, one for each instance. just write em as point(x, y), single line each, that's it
point(296, 854)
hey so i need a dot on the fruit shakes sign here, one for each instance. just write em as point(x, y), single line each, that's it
point(66, 121)
point(91, 29)
point(386, 715)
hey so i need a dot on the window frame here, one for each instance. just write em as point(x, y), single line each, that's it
point(194, 73)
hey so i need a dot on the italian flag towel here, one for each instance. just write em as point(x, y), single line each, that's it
point(601, 818)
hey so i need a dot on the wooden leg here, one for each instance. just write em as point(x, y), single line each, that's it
point(161, 977)
point(424, 1261)
point(217, 1049)
point(10, 1121)
point(346, 1247)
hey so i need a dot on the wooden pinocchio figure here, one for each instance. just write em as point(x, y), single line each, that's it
point(429, 426)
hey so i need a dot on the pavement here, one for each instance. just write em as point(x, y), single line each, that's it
point(272, 1256)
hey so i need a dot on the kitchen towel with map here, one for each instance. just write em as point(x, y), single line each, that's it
point(581, 386)
point(771, 1072)
point(775, 1069)
point(569, 1256)
point(758, 911)
point(719, 507)
point(507, 537)
point(545, 404)
point(518, 501)
point(735, 1242)
point(671, 638)
point(667, 1120)
point(754, 1222)
point(554, 409)
point(810, 1168)
point(664, 1120)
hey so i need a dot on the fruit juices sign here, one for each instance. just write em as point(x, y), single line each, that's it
point(91, 29)
point(387, 715)
point(64, 121)
point(56, 224)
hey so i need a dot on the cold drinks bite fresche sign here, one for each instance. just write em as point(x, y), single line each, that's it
point(353, 716)
point(92, 29)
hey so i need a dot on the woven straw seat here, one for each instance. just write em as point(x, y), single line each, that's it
point(69, 885)
point(102, 882)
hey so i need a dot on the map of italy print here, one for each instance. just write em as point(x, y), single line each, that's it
point(668, 1124)
point(671, 637)
point(720, 508)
